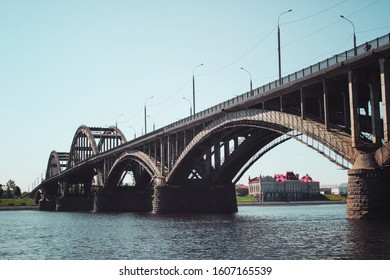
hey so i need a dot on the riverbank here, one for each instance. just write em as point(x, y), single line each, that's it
point(274, 203)
point(18, 207)
point(290, 203)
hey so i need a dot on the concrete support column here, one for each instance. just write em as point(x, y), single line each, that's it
point(281, 103)
point(302, 103)
point(194, 199)
point(162, 156)
point(217, 155)
point(326, 107)
point(169, 154)
point(355, 132)
point(385, 91)
point(368, 189)
point(375, 114)
point(73, 204)
point(123, 200)
point(226, 149)
point(47, 202)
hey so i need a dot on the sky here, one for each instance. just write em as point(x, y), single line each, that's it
point(97, 62)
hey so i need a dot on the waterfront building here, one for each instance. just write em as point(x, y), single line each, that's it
point(284, 187)
point(341, 189)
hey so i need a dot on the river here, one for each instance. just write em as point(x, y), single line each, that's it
point(318, 232)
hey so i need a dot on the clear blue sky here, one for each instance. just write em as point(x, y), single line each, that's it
point(68, 63)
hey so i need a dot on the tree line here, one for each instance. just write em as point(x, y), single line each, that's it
point(11, 190)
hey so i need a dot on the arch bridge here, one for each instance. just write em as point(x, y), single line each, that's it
point(338, 107)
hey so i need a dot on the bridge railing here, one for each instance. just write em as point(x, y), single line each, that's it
point(262, 90)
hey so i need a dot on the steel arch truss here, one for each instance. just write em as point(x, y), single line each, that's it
point(56, 164)
point(266, 127)
point(89, 141)
point(140, 164)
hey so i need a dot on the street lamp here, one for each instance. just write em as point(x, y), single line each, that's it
point(154, 126)
point(189, 102)
point(116, 123)
point(250, 77)
point(193, 86)
point(135, 133)
point(354, 34)
point(146, 131)
point(279, 55)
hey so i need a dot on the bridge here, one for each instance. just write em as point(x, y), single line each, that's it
point(338, 107)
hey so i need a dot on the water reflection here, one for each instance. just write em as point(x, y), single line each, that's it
point(368, 239)
point(274, 232)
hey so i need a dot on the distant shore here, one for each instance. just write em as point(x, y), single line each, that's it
point(290, 203)
point(270, 203)
point(17, 207)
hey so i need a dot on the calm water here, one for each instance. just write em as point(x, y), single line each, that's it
point(255, 232)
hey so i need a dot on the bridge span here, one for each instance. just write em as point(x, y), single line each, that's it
point(338, 107)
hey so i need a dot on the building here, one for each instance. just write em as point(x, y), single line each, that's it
point(284, 187)
point(341, 189)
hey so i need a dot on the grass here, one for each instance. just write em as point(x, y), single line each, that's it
point(245, 199)
point(16, 202)
point(334, 197)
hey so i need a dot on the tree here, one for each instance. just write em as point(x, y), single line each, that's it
point(8, 193)
point(1, 191)
point(11, 184)
point(17, 192)
point(12, 189)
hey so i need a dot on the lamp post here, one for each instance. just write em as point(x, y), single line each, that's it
point(146, 131)
point(135, 133)
point(354, 34)
point(193, 87)
point(116, 123)
point(154, 126)
point(279, 55)
point(250, 77)
point(189, 102)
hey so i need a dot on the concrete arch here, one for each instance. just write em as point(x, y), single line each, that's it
point(133, 155)
point(335, 139)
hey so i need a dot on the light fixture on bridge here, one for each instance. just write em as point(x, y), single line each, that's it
point(135, 133)
point(116, 123)
point(250, 77)
point(279, 52)
point(354, 34)
point(189, 102)
point(146, 130)
point(154, 124)
point(193, 86)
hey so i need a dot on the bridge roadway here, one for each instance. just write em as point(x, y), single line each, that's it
point(338, 107)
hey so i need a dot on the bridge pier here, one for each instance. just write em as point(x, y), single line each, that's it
point(123, 200)
point(194, 199)
point(368, 190)
point(47, 205)
point(75, 203)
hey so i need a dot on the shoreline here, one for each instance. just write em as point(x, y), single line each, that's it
point(18, 207)
point(270, 203)
point(290, 203)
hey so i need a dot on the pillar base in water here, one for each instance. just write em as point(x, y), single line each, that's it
point(47, 205)
point(195, 199)
point(368, 193)
point(123, 200)
point(77, 203)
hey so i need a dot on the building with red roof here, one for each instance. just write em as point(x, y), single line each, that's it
point(284, 187)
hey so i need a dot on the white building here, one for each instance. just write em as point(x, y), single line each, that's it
point(284, 187)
